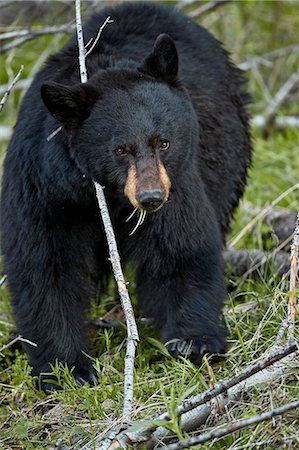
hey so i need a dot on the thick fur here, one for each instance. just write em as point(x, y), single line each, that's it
point(52, 238)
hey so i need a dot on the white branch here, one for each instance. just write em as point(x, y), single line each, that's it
point(132, 332)
point(8, 90)
point(108, 20)
point(80, 37)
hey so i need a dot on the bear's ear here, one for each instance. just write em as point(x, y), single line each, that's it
point(163, 61)
point(70, 105)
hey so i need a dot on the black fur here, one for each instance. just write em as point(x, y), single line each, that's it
point(184, 89)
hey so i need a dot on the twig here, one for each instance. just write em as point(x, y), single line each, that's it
point(264, 59)
point(207, 7)
point(108, 20)
point(231, 427)
point(288, 325)
point(3, 279)
point(80, 38)
point(22, 84)
point(184, 3)
point(23, 36)
point(260, 215)
point(13, 341)
point(293, 281)
point(8, 90)
point(132, 332)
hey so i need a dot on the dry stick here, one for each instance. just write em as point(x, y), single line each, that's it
point(259, 121)
point(3, 279)
point(8, 90)
point(264, 59)
point(23, 36)
point(260, 215)
point(207, 7)
point(288, 325)
point(223, 386)
point(231, 427)
point(280, 98)
point(293, 281)
point(133, 337)
point(108, 20)
point(13, 341)
point(125, 301)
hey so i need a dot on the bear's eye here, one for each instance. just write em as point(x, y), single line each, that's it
point(164, 144)
point(121, 151)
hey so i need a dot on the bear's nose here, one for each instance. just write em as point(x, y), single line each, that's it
point(151, 200)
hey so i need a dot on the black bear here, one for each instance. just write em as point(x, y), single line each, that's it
point(162, 125)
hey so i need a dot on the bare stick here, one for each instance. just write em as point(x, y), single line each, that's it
point(108, 20)
point(8, 90)
point(13, 341)
point(288, 325)
point(23, 36)
point(231, 427)
point(3, 279)
point(293, 281)
point(280, 98)
point(207, 7)
point(264, 59)
point(82, 65)
point(260, 215)
point(133, 337)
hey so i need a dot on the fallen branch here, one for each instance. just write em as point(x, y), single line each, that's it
point(10, 87)
point(195, 410)
point(132, 332)
point(231, 427)
point(281, 221)
point(242, 262)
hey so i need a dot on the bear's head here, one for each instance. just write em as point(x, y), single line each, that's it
point(132, 130)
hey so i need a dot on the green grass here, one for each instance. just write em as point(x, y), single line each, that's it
point(31, 420)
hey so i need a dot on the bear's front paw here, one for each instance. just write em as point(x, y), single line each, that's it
point(48, 382)
point(195, 349)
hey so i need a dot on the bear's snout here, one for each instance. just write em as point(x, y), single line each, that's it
point(147, 185)
point(151, 200)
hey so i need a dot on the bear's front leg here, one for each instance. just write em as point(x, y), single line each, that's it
point(186, 304)
point(51, 280)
